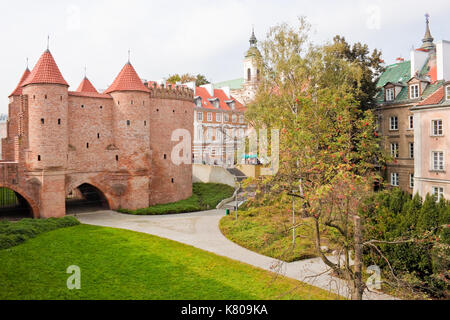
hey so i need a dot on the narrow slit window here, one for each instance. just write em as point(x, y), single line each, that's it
point(128, 122)
point(87, 145)
point(42, 121)
point(98, 135)
point(117, 158)
point(39, 157)
point(59, 121)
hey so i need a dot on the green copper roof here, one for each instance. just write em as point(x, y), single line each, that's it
point(398, 72)
point(233, 84)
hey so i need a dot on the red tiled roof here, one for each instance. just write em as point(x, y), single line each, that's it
point(18, 90)
point(219, 94)
point(45, 71)
point(127, 80)
point(89, 95)
point(434, 98)
point(433, 73)
point(86, 86)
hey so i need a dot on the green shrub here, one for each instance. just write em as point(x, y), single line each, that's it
point(205, 196)
point(394, 215)
point(14, 233)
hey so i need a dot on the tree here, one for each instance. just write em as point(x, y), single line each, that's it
point(199, 79)
point(328, 146)
point(370, 64)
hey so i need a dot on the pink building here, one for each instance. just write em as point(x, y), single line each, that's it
point(432, 144)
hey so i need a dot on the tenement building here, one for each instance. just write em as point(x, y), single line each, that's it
point(403, 86)
point(118, 142)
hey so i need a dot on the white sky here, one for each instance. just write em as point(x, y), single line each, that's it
point(197, 36)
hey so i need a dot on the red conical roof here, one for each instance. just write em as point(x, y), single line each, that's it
point(18, 90)
point(127, 80)
point(45, 71)
point(86, 86)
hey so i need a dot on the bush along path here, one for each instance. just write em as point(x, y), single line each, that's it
point(205, 196)
point(14, 233)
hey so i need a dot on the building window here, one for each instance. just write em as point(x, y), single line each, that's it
point(39, 157)
point(394, 179)
point(199, 133)
point(82, 105)
point(209, 116)
point(249, 74)
point(200, 116)
point(165, 156)
point(145, 122)
point(414, 91)
point(226, 117)
point(216, 104)
point(173, 180)
point(59, 121)
point(393, 123)
point(87, 145)
point(390, 94)
point(241, 119)
point(437, 160)
point(410, 122)
point(218, 117)
point(411, 150)
point(45, 96)
point(436, 128)
point(394, 150)
point(198, 102)
point(131, 101)
point(438, 192)
point(411, 180)
point(42, 121)
point(128, 122)
point(98, 135)
point(447, 93)
point(117, 158)
point(101, 107)
point(234, 118)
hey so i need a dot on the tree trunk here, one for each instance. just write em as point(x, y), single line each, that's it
point(358, 288)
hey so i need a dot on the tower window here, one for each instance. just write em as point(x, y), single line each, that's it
point(42, 121)
point(128, 122)
point(131, 101)
point(257, 74)
point(173, 111)
point(117, 158)
point(60, 98)
point(145, 123)
point(101, 107)
point(173, 180)
point(59, 121)
point(98, 135)
point(39, 157)
point(165, 156)
point(87, 145)
point(45, 96)
point(157, 110)
point(82, 105)
point(249, 74)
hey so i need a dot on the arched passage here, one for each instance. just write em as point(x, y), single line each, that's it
point(86, 198)
point(15, 205)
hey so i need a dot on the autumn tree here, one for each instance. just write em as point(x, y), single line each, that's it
point(329, 148)
point(199, 79)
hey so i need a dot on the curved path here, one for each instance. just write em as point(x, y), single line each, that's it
point(201, 230)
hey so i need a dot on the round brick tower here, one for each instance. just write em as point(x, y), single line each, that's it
point(47, 95)
point(132, 135)
point(171, 116)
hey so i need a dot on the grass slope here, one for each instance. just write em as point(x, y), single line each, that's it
point(269, 233)
point(122, 264)
point(205, 196)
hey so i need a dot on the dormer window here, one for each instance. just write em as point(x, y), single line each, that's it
point(447, 93)
point(198, 102)
point(390, 94)
point(216, 104)
point(414, 92)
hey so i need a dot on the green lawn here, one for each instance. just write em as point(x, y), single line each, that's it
point(122, 264)
point(205, 196)
point(269, 232)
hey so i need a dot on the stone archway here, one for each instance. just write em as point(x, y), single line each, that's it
point(86, 196)
point(24, 199)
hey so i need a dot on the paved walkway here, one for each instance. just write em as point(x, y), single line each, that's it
point(201, 230)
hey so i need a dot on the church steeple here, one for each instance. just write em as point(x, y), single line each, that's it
point(253, 40)
point(428, 39)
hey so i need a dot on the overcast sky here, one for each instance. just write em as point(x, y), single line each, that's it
point(196, 36)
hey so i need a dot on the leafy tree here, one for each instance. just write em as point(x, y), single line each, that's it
point(328, 146)
point(370, 64)
point(199, 79)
